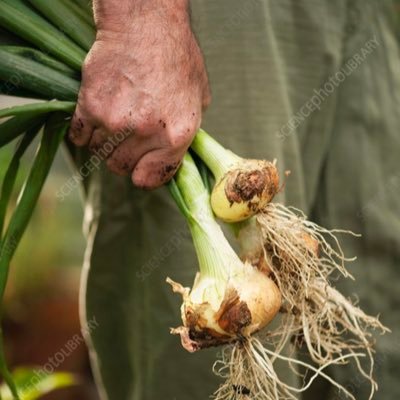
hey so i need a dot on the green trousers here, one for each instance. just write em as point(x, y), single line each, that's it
point(313, 83)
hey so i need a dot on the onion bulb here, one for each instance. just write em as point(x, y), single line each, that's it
point(229, 299)
point(243, 186)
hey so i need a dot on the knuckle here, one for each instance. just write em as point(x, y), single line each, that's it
point(144, 121)
point(90, 103)
point(114, 123)
point(181, 135)
point(173, 140)
point(142, 127)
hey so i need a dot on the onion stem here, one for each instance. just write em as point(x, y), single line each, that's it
point(214, 253)
point(216, 157)
point(192, 188)
point(177, 196)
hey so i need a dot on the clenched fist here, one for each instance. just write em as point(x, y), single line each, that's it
point(145, 78)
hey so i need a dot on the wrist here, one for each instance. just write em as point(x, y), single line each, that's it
point(121, 15)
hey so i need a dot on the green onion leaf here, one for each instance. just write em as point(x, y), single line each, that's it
point(51, 139)
point(85, 5)
point(54, 131)
point(86, 14)
point(22, 72)
point(10, 39)
point(8, 89)
point(67, 21)
point(12, 172)
point(12, 128)
point(39, 108)
point(43, 58)
point(21, 20)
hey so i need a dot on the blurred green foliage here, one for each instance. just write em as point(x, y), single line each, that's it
point(34, 384)
point(54, 237)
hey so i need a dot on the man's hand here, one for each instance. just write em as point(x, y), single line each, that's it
point(144, 79)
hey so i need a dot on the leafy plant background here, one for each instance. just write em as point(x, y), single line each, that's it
point(41, 301)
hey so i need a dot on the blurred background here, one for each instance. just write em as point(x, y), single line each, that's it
point(41, 303)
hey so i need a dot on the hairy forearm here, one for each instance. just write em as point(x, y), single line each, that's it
point(118, 15)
